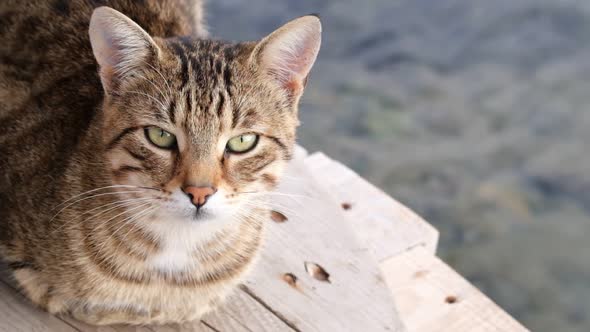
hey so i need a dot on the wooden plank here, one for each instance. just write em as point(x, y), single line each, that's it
point(432, 297)
point(123, 328)
point(385, 226)
point(389, 230)
point(17, 314)
point(241, 313)
point(316, 230)
point(89, 328)
point(187, 327)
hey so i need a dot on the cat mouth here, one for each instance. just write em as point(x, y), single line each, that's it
point(201, 215)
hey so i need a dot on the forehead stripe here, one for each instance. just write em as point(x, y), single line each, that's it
point(181, 52)
point(172, 110)
point(235, 117)
point(221, 105)
point(189, 101)
point(227, 79)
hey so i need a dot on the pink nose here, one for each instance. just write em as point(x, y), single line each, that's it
point(199, 195)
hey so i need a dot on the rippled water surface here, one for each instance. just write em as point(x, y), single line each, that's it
point(476, 114)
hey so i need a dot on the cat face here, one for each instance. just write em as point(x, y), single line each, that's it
point(219, 128)
point(204, 128)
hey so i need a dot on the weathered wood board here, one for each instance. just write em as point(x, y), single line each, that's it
point(385, 226)
point(18, 315)
point(433, 297)
point(243, 313)
point(317, 230)
point(405, 245)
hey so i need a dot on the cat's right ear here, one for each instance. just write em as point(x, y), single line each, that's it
point(120, 46)
point(288, 53)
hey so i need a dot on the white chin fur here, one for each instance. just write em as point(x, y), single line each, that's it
point(180, 233)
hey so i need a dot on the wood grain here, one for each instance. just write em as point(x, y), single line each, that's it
point(433, 297)
point(17, 314)
point(241, 313)
point(317, 231)
point(385, 226)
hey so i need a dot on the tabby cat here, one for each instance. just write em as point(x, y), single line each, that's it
point(137, 154)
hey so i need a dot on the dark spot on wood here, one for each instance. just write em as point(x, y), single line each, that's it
point(451, 299)
point(346, 206)
point(290, 279)
point(379, 278)
point(278, 217)
point(317, 271)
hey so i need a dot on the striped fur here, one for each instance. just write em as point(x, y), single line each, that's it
point(93, 222)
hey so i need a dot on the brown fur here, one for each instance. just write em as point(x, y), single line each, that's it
point(71, 148)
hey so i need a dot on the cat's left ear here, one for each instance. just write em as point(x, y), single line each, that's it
point(120, 46)
point(288, 53)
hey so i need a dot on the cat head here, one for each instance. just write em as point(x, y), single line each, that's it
point(202, 127)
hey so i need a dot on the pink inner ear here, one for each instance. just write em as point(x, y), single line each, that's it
point(297, 66)
point(119, 45)
point(112, 51)
point(294, 85)
point(294, 62)
point(290, 53)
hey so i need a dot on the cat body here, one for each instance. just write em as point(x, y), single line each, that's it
point(137, 156)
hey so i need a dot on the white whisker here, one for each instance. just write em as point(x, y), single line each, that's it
point(89, 197)
point(134, 225)
point(121, 222)
point(117, 205)
point(93, 190)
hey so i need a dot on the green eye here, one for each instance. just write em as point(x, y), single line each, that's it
point(242, 143)
point(160, 137)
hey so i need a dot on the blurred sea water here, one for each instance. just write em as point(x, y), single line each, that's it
point(474, 113)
